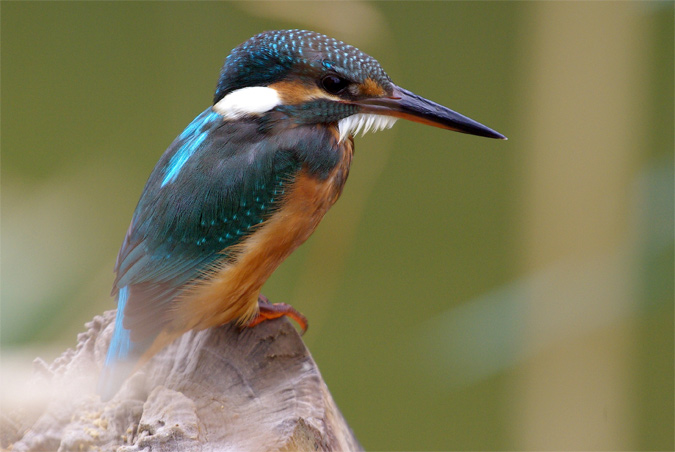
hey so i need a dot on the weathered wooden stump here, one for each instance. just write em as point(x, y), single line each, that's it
point(222, 389)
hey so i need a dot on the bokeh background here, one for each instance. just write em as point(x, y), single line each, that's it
point(464, 293)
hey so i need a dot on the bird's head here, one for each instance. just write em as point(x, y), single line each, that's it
point(317, 79)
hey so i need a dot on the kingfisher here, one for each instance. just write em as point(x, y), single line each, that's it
point(246, 183)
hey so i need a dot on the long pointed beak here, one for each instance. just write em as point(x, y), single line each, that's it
point(404, 104)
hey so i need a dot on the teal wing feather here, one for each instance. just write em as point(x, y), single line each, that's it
point(213, 185)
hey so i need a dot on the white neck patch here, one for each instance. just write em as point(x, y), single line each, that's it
point(363, 122)
point(253, 100)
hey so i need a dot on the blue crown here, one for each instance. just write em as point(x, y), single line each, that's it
point(269, 56)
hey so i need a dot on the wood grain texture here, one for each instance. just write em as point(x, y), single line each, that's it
point(221, 389)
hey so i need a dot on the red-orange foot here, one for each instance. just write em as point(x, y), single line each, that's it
point(269, 311)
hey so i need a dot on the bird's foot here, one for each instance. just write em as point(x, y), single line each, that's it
point(269, 311)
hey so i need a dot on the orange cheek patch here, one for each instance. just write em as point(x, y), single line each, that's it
point(296, 93)
point(371, 88)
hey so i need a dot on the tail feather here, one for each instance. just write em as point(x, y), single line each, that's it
point(122, 353)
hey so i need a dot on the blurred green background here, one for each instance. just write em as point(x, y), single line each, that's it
point(464, 293)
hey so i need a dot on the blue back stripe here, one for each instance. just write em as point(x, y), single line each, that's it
point(193, 135)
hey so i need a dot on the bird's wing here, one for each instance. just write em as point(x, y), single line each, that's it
point(210, 189)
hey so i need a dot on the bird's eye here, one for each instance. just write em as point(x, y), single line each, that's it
point(333, 84)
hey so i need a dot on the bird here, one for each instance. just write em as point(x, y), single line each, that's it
point(246, 183)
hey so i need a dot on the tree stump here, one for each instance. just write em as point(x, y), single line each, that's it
point(222, 389)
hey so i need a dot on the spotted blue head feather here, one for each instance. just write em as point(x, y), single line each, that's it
point(273, 55)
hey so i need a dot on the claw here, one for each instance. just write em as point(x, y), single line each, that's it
point(269, 311)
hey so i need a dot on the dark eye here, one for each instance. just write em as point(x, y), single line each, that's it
point(333, 84)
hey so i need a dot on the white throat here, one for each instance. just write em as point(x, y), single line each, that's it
point(363, 122)
point(253, 100)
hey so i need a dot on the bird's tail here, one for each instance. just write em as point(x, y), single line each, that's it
point(123, 353)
